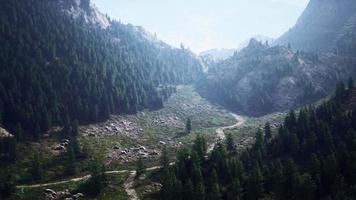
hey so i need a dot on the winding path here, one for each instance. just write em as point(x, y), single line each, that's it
point(220, 135)
point(129, 183)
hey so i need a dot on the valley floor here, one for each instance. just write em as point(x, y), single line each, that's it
point(122, 140)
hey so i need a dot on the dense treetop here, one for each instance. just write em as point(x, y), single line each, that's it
point(311, 157)
point(54, 68)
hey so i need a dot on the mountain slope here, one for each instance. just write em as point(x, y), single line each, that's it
point(311, 156)
point(322, 26)
point(222, 54)
point(262, 79)
point(57, 65)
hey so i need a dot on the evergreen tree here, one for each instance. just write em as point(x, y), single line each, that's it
point(37, 167)
point(97, 181)
point(188, 125)
point(340, 90)
point(70, 167)
point(188, 190)
point(6, 184)
point(199, 191)
point(350, 83)
point(140, 168)
point(164, 159)
point(230, 144)
point(268, 132)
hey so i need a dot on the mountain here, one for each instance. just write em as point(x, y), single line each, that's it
point(261, 79)
point(259, 38)
point(222, 54)
point(85, 11)
point(324, 26)
point(62, 60)
point(301, 67)
point(217, 54)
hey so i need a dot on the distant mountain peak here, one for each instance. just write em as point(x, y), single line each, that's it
point(254, 43)
point(84, 10)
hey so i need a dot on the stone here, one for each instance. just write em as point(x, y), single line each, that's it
point(78, 195)
point(50, 191)
point(59, 148)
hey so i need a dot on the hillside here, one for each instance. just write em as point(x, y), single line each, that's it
point(63, 60)
point(261, 79)
point(312, 156)
point(323, 26)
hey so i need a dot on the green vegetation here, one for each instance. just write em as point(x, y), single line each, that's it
point(112, 189)
point(55, 69)
point(185, 103)
point(188, 126)
point(311, 157)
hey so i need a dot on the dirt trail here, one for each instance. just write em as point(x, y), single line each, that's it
point(83, 178)
point(129, 183)
point(129, 186)
point(220, 135)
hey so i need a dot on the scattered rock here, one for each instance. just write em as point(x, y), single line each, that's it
point(50, 191)
point(66, 195)
point(125, 155)
point(153, 187)
point(4, 133)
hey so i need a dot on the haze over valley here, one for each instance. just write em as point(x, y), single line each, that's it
point(196, 100)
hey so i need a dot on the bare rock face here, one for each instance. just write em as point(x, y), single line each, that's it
point(4, 133)
point(262, 79)
point(86, 11)
point(322, 26)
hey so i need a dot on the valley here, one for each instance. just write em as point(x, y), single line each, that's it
point(99, 109)
point(209, 120)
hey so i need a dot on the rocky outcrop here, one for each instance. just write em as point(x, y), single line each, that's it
point(86, 11)
point(4, 133)
point(322, 26)
point(262, 79)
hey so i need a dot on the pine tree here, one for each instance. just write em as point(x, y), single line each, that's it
point(188, 190)
point(97, 180)
point(199, 191)
point(70, 167)
point(200, 147)
point(350, 83)
point(340, 90)
point(164, 159)
point(308, 188)
point(268, 132)
point(230, 144)
point(36, 167)
point(188, 125)
point(259, 144)
point(140, 168)
point(74, 128)
point(7, 186)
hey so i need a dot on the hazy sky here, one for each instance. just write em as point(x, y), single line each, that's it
point(206, 24)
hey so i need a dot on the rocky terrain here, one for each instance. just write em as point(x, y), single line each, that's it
point(116, 125)
point(84, 10)
point(262, 79)
point(323, 26)
point(4, 133)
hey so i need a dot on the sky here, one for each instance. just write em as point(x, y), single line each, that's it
point(206, 24)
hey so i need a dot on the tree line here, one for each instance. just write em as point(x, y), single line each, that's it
point(54, 68)
point(312, 156)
